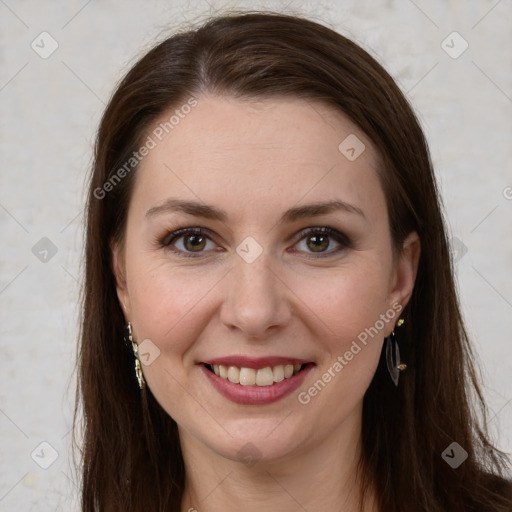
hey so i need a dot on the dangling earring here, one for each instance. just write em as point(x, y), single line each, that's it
point(135, 350)
point(395, 366)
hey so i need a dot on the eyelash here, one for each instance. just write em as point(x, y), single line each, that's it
point(341, 238)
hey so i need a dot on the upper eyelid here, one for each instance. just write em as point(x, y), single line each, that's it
point(175, 233)
point(341, 237)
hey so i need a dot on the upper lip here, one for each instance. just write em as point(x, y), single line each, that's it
point(255, 362)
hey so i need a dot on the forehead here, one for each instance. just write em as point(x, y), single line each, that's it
point(262, 153)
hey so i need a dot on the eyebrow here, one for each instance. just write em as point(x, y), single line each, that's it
point(293, 214)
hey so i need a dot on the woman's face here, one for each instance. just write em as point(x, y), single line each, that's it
point(269, 282)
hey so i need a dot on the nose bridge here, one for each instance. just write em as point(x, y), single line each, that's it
point(256, 299)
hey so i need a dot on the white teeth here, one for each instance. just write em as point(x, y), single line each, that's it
point(278, 373)
point(261, 377)
point(234, 374)
point(264, 377)
point(247, 376)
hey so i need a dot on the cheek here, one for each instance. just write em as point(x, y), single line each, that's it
point(347, 301)
point(167, 302)
point(171, 305)
point(349, 309)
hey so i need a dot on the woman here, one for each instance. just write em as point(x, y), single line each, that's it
point(262, 219)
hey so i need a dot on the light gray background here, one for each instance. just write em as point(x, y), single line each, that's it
point(49, 111)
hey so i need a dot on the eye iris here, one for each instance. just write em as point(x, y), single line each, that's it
point(198, 242)
point(321, 242)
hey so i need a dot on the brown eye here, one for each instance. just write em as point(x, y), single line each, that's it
point(318, 243)
point(194, 242)
point(188, 242)
point(319, 240)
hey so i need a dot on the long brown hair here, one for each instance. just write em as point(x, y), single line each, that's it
point(131, 458)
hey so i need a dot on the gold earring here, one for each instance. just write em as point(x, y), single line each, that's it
point(395, 365)
point(135, 350)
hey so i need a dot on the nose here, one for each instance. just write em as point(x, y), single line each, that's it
point(257, 300)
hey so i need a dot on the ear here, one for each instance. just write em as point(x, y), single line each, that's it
point(404, 273)
point(119, 269)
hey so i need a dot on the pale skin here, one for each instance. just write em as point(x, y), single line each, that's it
point(255, 160)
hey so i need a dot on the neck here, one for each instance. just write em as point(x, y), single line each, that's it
point(321, 477)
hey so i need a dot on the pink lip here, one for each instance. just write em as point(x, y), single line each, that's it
point(254, 362)
point(256, 395)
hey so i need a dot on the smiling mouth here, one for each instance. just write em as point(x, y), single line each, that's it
point(262, 377)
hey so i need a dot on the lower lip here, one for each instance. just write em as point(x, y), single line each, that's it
point(256, 395)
